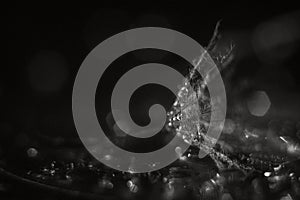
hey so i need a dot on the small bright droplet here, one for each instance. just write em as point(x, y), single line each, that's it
point(267, 174)
point(107, 157)
point(183, 158)
point(132, 186)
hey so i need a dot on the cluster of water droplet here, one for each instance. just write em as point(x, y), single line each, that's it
point(190, 114)
point(190, 118)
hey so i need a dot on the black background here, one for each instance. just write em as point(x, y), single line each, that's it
point(69, 32)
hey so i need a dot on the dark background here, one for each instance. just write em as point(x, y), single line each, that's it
point(48, 42)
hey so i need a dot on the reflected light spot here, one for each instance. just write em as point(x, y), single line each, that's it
point(259, 104)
